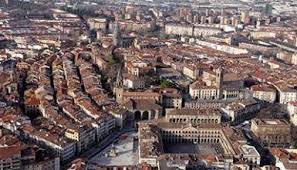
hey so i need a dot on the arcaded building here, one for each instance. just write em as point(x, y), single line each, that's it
point(194, 116)
point(213, 143)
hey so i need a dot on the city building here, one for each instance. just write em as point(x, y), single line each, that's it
point(191, 71)
point(63, 147)
point(165, 140)
point(216, 85)
point(267, 135)
point(10, 157)
point(264, 92)
point(143, 109)
point(190, 30)
point(171, 100)
point(148, 85)
point(193, 116)
point(123, 96)
point(286, 94)
point(241, 110)
point(199, 90)
point(284, 158)
point(16, 154)
point(197, 104)
point(133, 82)
point(85, 137)
point(117, 37)
point(292, 111)
point(98, 24)
point(251, 155)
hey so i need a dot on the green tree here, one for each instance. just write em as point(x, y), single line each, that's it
point(163, 35)
point(166, 84)
point(111, 60)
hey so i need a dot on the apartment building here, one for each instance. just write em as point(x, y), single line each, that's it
point(264, 92)
point(241, 110)
point(292, 111)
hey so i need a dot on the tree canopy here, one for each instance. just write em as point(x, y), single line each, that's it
point(166, 84)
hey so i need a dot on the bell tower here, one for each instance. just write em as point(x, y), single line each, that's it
point(117, 37)
point(219, 77)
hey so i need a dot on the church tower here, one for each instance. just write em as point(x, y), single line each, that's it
point(117, 37)
point(219, 77)
point(219, 82)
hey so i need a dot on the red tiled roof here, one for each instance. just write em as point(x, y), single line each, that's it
point(9, 152)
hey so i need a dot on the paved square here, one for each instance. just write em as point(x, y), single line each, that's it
point(125, 153)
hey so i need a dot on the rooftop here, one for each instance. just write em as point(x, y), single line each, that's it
point(184, 111)
point(249, 150)
point(141, 104)
point(10, 152)
point(263, 87)
point(270, 122)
